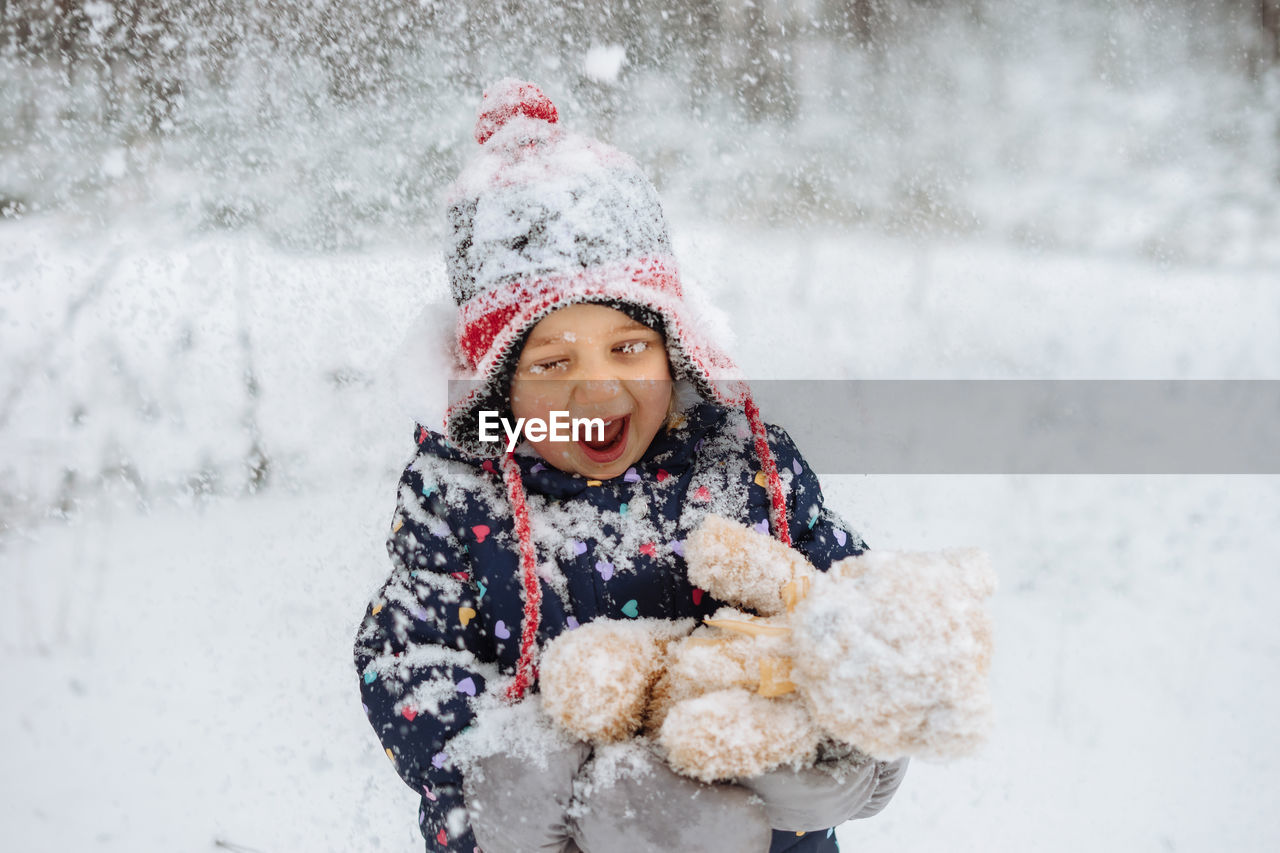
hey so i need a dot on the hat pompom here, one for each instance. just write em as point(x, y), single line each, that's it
point(509, 98)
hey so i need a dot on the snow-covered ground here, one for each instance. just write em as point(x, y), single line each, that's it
point(177, 659)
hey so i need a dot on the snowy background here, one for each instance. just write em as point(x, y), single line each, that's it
point(219, 221)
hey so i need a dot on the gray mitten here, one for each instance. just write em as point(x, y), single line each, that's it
point(518, 804)
point(891, 773)
point(827, 794)
point(629, 801)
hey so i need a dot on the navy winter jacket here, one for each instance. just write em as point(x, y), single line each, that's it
point(448, 618)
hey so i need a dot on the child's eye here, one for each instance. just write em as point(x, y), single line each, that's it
point(632, 347)
point(546, 366)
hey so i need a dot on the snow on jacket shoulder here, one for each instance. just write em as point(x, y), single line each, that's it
point(445, 627)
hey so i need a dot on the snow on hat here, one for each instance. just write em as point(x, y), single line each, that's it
point(542, 218)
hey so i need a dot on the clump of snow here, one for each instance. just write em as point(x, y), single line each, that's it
point(596, 680)
point(707, 736)
point(397, 670)
point(893, 652)
point(737, 564)
point(887, 653)
point(426, 360)
point(603, 62)
point(457, 821)
point(522, 730)
point(630, 759)
point(115, 163)
point(700, 664)
point(556, 523)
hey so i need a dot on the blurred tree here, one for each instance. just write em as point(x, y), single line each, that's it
point(760, 35)
point(858, 19)
point(1269, 20)
point(71, 24)
point(864, 20)
point(705, 36)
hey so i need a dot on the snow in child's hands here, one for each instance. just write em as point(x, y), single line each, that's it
point(850, 661)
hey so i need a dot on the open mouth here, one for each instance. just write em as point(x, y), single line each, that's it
point(611, 444)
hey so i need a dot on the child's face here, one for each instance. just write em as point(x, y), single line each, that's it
point(594, 362)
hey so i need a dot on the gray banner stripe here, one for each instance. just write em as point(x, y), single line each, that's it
point(1029, 426)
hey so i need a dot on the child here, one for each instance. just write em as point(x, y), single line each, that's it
point(569, 301)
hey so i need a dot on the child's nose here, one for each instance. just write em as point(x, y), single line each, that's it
point(590, 391)
point(596, 374)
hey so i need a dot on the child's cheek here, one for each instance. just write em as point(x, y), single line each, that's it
point(538, 398)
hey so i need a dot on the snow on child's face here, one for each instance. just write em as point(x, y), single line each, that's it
point(594, 362)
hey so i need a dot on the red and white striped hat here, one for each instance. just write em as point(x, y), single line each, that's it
point(542, 218)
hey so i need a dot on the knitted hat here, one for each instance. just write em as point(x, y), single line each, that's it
point(542, 218)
